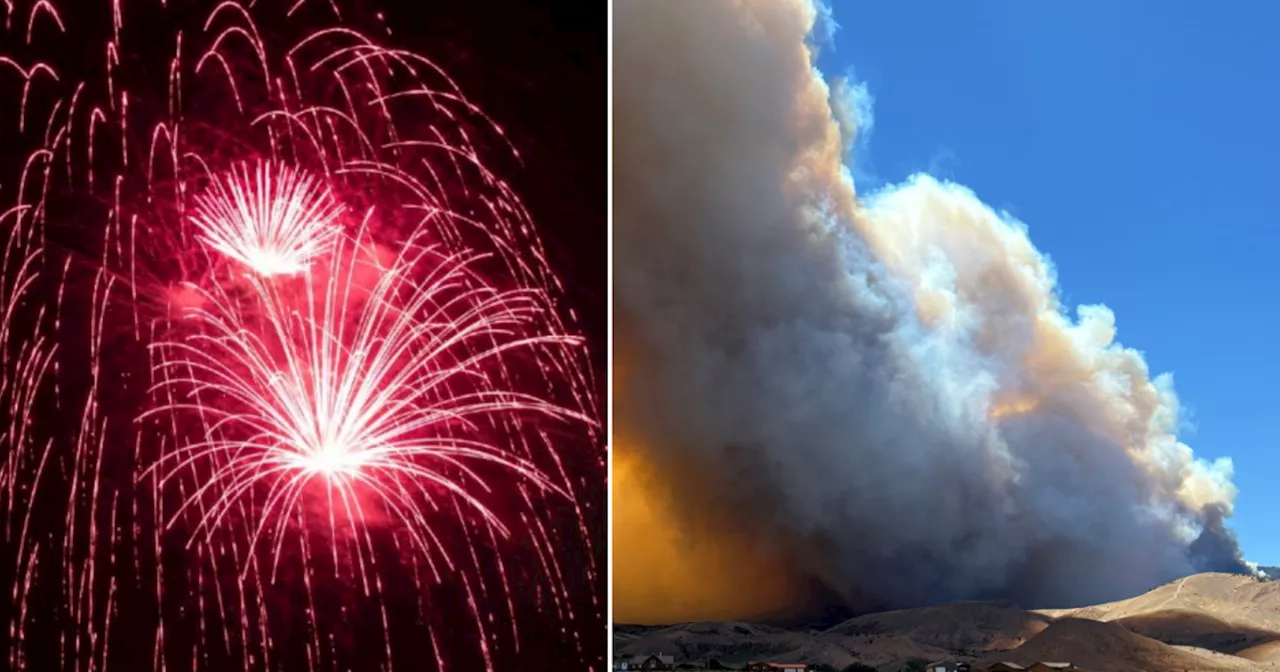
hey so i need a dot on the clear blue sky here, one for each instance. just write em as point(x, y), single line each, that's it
point(1140, 143)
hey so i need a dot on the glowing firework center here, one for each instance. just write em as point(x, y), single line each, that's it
point(271, 218)
point(356, 374)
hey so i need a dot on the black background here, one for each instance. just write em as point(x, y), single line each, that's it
point(540, 73)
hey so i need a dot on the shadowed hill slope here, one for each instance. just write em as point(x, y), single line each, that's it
point(1203, 622)
point(1109, 647)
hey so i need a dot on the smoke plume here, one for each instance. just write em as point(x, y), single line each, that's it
point(879, 391)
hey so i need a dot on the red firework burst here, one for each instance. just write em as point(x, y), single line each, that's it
point(256, 371)
point(375, 379)
point(272, 219)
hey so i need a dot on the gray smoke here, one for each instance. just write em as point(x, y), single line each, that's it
point(883, 388)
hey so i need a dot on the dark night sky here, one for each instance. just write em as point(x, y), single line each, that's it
point(539, 73)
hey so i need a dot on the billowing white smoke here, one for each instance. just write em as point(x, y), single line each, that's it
point(883, 388)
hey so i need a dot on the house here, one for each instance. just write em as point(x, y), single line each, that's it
point(948, 666)
point(1042, 666)
point(774, 667)
point(656, 661)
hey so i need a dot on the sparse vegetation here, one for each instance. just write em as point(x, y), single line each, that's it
point(916, 665)
point(1217, 612)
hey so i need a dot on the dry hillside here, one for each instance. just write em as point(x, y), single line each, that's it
point(1109, 647)
point(1206, 622)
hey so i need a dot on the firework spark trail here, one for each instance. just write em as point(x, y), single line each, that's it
point(294, 388)
point(354, 399)
point(272, 219)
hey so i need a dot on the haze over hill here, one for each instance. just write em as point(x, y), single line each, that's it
point(882, 392)
point(1202, 622)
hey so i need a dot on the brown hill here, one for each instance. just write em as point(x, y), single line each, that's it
point(1227, 613)
point(1186, 627)
point(959, 627)
point(1109, 647)
point(1203, 622)
point(730, 642)
point(884, 652)
point(736, 643)
point(1268, 652)
point(1230, 597)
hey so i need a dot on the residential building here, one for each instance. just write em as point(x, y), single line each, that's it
point(1042, 666)
point(656, 661)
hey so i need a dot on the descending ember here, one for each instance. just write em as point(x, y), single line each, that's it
point(288, 379)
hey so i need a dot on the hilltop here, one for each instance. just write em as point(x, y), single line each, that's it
point(1205, 622)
